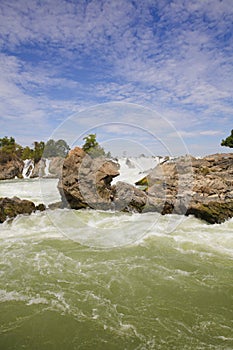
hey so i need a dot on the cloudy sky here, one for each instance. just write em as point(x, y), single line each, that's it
point(163, 64)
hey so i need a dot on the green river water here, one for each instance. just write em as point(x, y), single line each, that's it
point(63, 287)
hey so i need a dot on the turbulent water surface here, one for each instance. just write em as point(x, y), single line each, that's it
point(105, 280)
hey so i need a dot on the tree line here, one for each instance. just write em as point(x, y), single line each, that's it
point(9, 149)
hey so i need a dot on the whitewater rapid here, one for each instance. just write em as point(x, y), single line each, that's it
point(105, 280)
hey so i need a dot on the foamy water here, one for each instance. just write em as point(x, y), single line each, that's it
point(104, 280)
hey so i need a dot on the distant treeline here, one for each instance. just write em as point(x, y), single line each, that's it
point(9, 149)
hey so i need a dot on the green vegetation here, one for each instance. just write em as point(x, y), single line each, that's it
point(38, 151)
point(9, 150)
point(56, 149)
point(228, 142)
point(92, 147)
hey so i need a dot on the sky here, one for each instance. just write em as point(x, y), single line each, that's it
point(143, 74)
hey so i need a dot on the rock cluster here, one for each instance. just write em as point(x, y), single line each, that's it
point(187, 185)
point(11, 207)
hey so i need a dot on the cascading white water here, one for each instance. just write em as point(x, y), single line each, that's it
point(46, 169)
point(28, 168)
point(133, 169)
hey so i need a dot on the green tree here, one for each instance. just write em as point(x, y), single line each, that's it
point(56, 149)
point(228, 142)
point(7, 145)
point(92, 147)
point(9, 148)
point(38, 151)
point(27, 153)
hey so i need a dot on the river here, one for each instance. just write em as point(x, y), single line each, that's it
point(103, 280)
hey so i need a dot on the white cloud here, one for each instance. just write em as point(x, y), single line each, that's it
point(59, 57)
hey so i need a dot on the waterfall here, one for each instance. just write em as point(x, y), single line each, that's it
point(46, 169)
point(28, 168)
point(134, 168)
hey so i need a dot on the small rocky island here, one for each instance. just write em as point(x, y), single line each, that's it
point(187, 185)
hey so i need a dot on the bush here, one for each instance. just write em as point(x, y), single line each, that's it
point(228, 142)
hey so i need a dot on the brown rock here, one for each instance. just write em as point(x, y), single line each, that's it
point(127, 197)
point(55, 166)
point(202, 187)
point(86, 182)
point(39, 169)
point(11, 207)
point(10, 167)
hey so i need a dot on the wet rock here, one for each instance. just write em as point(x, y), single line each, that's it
point(11, 207)
point(212, 212)
point(56, 205)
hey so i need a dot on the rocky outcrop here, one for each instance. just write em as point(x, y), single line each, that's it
point(39, 169)
point(55, 166)
point(86, 182)
point(10, 167)
point(202, 187)
point(186, 185)
point(212, 212)
point(11, 207)
point(126, 197)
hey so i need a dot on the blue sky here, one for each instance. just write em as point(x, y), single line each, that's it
point(174, 58)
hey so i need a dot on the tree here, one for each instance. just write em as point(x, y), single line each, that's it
point(228, 142)
point(7, 145)
point(56, 149)
point(9, 148)
point(92, 147)
point(27, 153)
point(38, 151)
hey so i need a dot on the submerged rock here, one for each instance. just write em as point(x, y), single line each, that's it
point(11, 207)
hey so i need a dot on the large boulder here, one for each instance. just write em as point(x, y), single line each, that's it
point(202, 187)
point(55, 166)
point(128, 198)
point(39, 169)
point(11, 207)
point(10, 167)
point(86, 182)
